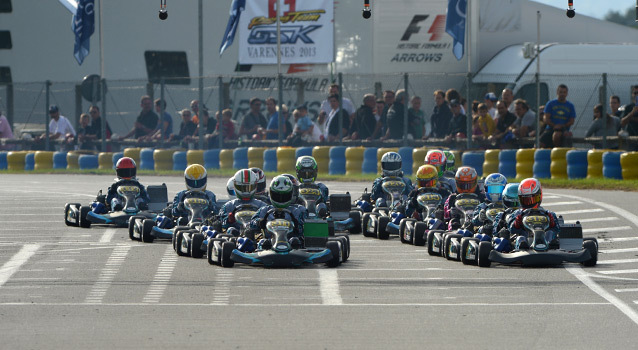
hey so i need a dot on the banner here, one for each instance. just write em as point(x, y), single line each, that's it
point(83, 27)
point(455, 25)
point(236, 9)
point(307, 32)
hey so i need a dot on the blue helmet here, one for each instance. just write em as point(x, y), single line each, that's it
point(510, 195)
point(494, 186)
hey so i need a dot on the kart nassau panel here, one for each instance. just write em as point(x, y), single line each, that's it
point(533, 258)
point(271, 258)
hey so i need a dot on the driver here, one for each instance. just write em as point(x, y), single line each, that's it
point(466, 180)
point(494, 185)
point(261, 192)
point(450, 160)
point(426, 179)
point(439, 160)
point(295, 189)
point(195, 177)
point(307, 174)
point(125, 170)
point(391, 163)
point(510, 200)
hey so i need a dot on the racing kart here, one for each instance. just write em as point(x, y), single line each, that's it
point(76, 214)
point(464, 206)
point(378, 222)
point(412, 230)
point(214, 246)
point(453, 242)
point(340, 216)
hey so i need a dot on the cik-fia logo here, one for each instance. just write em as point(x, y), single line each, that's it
point(264, 29)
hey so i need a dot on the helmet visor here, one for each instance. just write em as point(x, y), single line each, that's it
point(495, 189)
point(245, 188)
point(530, 200)
point(391, 166)
point(126, 173)
point(427, 182)
point(466, 186)
point(307, 174)
point(195, 183)
point(280, 198)
point(510, 203)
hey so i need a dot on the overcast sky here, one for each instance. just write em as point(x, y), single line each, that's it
point(593, 8)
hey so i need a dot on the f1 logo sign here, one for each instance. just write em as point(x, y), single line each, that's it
point(436, 29)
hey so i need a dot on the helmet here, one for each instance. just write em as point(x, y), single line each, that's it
point(306, 169)
point(530, 193)
point(125, 168)
point(245, 184)
point(494, 186)
point(281, 191)
point(449, 160)
point(195, 176)
point(436, 158)
point(466, 179)
point(230, 188)
point(427, 176)
point(295, 186)
point(261, 180)
point(391, 163)
point(510, 196)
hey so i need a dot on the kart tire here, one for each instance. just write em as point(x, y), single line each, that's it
point(345, 247)
point(67, 207)
point(227, 249)
point(147, 227)
point(179, 237)
point(430, 243)
point(336, 254)
point(209, 252)
point(483, 258)
point(592, 247)
point(402, 231)
point(465, 245)
point(381, 225)
point(443, 247)
point(418, 237)
point(355, 215)
point(448, 244)
point(131, 228)
point(364, 225)
point(84, 211)
point(196, 245)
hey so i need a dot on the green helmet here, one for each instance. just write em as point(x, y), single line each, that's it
point(449, 163)
point(306, 169)
point(281, 192)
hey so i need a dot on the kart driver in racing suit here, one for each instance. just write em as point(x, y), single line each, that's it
point(307, 170)
point(466, 182)
point(391, 163)
point(125, 169)
point(426, 179)
point(261, 192)
point(439, 160)
point(494, 186)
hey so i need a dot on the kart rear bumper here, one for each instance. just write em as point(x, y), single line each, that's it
point(531, 257)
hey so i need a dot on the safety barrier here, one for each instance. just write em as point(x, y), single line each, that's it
point(194, 156)
point(418, 158)
point(369, 164)
point(15, 160)
point(595, 163)
point(337, 164)
point(88, 161)
point(542, 164)
point(256, 157)
point(380, 152)
point(3, 161)
point(59, 160)
point(406, 160)
point(147, 162)
point(558, 166)
point(576, 164)
point(474, 160)
point(629, 164)
point(611, 165)
point(354, 160)
point(322, 156)
point(491, 162)
point(29, 161)
point(211, 158)
point(286, 160)
point(524, 163)
point(163, 159)
point(43, 160)
point(105, 160)
point(240, 158)
point(507, 163)
point(179, 160)
point(226, 159)
point(303, 151)
point(270, 160)
point(116, 157)
point(133, 152)
point(72, 160)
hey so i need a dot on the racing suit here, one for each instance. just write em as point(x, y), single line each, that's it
point(179, 211)
point(377, 190)
point(321, 205)
point(114, 200)
point(518, 233)
point(269, 213)
point(413, 205)
point(225, 212)
point(449, 207)
point(448, 182)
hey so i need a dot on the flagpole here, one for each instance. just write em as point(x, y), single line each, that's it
point(102, 83)
point(101, 45)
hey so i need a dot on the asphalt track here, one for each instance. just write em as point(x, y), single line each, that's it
point(71, 288)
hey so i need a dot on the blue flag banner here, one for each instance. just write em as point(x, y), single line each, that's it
point(233, 22)
point(455, 25)
point(83, 27)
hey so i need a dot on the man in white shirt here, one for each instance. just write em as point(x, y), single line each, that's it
point(346, 103)
point(59, 126)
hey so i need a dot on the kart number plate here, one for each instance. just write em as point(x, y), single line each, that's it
point(536, 220)
point(493, 212)
point(195, 201)
point(245, 214)
point(429, 197)
point(467, 202)
point(393, 184)
point(129, 189)
point(309, 192)
point(279, 224)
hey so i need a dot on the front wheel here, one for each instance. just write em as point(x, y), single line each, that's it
point(465, 246)
point(196, 245)
point(484, 254)
point(209, 252)
point(592, 247)
point(336, 254)
point(364, 225)
point(402, 228)
point(430, 242)
point(449, 246)
point(84, 222)
point(227, 250)
point(381, 225)
point(179, 238)
point(355, 215)
point(418, 237)
point(147, 228)
point(67, 208)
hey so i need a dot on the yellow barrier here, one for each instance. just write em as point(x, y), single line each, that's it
point(418, 158)
point(380, 153)
point(43, 160)
point(133, 153)
point(163, 159)
point(105, 160)
point(256, 157)
point(354, 160)
point(490, 165)
point(558, 166)
point(195, 157)
point(629, 164)
point(72, 160)
point(458, 157)
point(286, 160)
point(322, 156)
point(226, 159)
point(16, 160)
point(525, 163)
point(595, 163)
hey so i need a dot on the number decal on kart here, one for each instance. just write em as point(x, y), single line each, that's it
point(467, 202)
point(393, 184)
point(536, 220)
point(194, 201)
point(309, 192)
point(128, 189)
point(430, 197)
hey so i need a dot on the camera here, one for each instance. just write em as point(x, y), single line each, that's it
point(571, 13)
point(163, 14)
point(366, 13)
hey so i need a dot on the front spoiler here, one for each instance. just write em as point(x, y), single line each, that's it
point(162, 233)
point(118, 218)
point(534, 258)
point(271, 258)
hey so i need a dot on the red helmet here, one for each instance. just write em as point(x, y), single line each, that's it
point(530, 193)
point(125, 168)
point(436, 158)
point(466, 179)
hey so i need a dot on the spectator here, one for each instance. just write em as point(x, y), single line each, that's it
point(59, 126)
point(332, 123)
point(629, 121)
point(365, 122)
point(484, 126)
point(441, 115)
point(5, 130)
point(452, 94)
point(146, 122)
point(609, 125)
point(396, 116)
point(272, 130)
point(507, 96)
point(319, 129)
point(614, 105)
point(227, 126)
point(285, 114)
point(253, 120)
point(96, 124)
point(209, 125)
point(540, 121)
point(388, 100)
point(348, 106)
point(195, 111)
point(560, 114)
point(165, 127)
point(490, 101)
point(458, 123)
point(378, 111)
point(303, 125)
point(186, 127)
point(503, 122)
point(417, 120)
point(525, 123)
point(85, 134)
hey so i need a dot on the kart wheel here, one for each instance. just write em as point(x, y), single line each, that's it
point(209, 252)
point(131, 229)
point(442, 251)
point(465, 245)
point(345, 247)
point(196, 245)
point(227, 249)
point(381, 225)
point(147, 227)
point(402, 229)
point(592, 247)
point(67, 207)
point(364, 225)
point(179, 238)
point(448, 246)
point(430, 242)
point(336, 254)
point(84, 211)
point(484, 254)
point(355, 215)
point(418, 237)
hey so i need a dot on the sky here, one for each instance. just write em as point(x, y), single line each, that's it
point(593, 8)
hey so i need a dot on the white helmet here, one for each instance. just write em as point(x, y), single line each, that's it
point(391, 164)
point(261, 180)
point(245, 183)
point(230, 188)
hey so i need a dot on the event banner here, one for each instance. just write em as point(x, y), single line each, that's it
point(307, 28)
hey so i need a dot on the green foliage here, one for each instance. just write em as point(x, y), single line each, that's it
point(628, 18)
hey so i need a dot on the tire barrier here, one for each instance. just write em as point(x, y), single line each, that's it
point(226, 159)
point(576, 164)
point(507, 163)
point(322, 156)
point(611, 165)
point(474, 160)
point(105, 160)
point(270, 160)
point(286, 160)
point(29, 161)
point(525, 163)
point(72, 160)
point(337, 164)
point(211, 158)
point(407, 160)
point(133, 152)
point(303, 151)
point(491, 162)
point(15, 160)
point(88, 161)
point(629, 165)
point(3, 161)
point(147, 161)
point(369, 165)
point(256, 157)
point(194, 157)
point(354, 160)
point(542, 164)
point(43, 160)
point(163, 159)
point(380, 153)
point(240, 158)
point(418, 158)
point(179, 160)
point(558, 166)
point(595, 163)
point(458, 157)
point(117, 156)
point(59, 160)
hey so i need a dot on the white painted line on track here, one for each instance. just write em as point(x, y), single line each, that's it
point(581, 275)
point(610, 218)
point(551, 197)
point(582, 211)
point(554, 204)
point(619, 250)
point(221, 293)
point(13, 265)
point(108, 235)
point(618, 261)
point(293, 305)
point(107, 275)
point(619, 239)
point(606, 229)
point(162, 276)
point(329, 286)
point(618, 272)
point(626, 290)
point(30, 214)
point(616, 210)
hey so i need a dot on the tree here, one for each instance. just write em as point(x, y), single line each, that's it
point(628, 18)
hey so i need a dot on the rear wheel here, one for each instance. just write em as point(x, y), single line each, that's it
point(465, 246)
point(84, 211)
point(209, 252)
point(147, 228)
point(430, 242)
point(484, 254)
point(402, 228)
point(418, 237)
point(591, 246)
point(179, 238)
point(364, 225)
point(345, 247)
point(196, 245)
point(131, 228)
point(336, 254)
point(67, 208)
point(381, 225)
point(227, 249)
point(449, 245)
point(355, 215)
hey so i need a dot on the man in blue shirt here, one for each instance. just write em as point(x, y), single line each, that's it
point(165, 126)
point(272, 130)
point(560, 114)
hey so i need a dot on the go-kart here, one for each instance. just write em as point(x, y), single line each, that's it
point(570, 246)
point(76, 214)
point(377, 223)
point(464, 206)
point(412, 230)
point(340, 216)
point(453, 242)
point(215, 245)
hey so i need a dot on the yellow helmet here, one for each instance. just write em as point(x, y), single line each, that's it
point(195, 176)
point(427, 176)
